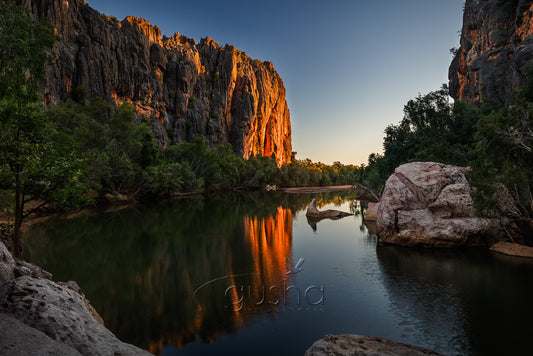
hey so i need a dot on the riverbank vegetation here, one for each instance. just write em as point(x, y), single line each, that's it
point(104, 150)
point(77, 152)
point(80, 151)
point(83, 150)
point(121, 154)
point(495, 140)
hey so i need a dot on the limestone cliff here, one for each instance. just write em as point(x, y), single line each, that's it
point(185, 88)
point(496, 48)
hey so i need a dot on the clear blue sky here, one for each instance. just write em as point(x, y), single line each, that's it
point(349, 67)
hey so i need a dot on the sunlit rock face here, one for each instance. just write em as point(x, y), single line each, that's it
point(184, 88)
point(496, 46)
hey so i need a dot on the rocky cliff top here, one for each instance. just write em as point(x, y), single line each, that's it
point(495, 52)
point(184, 88)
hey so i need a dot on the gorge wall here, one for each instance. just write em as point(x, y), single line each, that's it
point(182, 87)
point(495, 52)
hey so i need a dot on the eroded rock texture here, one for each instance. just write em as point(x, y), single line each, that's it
point(344, 345)
point(429, 204)
point(7, 265)
point(17, 338)
point(513, 249)
point(496, 48)
point(185, 88)
point(55, 317)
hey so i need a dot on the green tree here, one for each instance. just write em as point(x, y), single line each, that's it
point(117, 150)
point(32, 165)
point(432, 129)
point(505, 156)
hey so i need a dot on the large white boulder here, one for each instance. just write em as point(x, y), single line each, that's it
point(429, 204)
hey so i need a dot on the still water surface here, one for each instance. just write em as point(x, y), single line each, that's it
point(247, 274)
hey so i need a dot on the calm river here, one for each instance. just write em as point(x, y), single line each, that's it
point(247, 274)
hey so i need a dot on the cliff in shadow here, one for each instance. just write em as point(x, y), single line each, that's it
point(495, 50)
point(182, 87)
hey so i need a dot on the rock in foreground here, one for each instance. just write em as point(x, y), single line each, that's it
point(62, 314)
point(429, 204)
point(41, 317)
point(511, 249)
point(341, 345)
point(15, 336)
point(7, 265)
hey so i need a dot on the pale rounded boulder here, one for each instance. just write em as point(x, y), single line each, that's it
point(429, 204)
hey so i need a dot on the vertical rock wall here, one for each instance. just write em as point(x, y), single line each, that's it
point(496, 50)
point(184, 88)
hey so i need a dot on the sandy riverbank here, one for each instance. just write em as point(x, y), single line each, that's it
point(328, 189)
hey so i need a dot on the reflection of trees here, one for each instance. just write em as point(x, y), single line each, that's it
point(482, 306)
point(358, 208)
point(140, 266)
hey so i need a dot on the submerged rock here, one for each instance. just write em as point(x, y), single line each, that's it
point(314, 213)
point(430, 205)
point(344, 345)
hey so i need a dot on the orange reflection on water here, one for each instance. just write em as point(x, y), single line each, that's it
point(268, 244)
point(186, 335)
point(270, 241)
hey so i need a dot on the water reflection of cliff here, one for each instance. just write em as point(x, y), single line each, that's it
point(270, 243)
point(473, 295)
point(247, 264)
point(140, 267)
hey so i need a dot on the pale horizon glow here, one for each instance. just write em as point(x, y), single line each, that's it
point(349, 67)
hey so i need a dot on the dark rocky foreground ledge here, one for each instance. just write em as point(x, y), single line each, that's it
point(42, 317)
point(344, 345)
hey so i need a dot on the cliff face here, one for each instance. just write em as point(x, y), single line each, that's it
point(184, 88)
point(496, 47)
